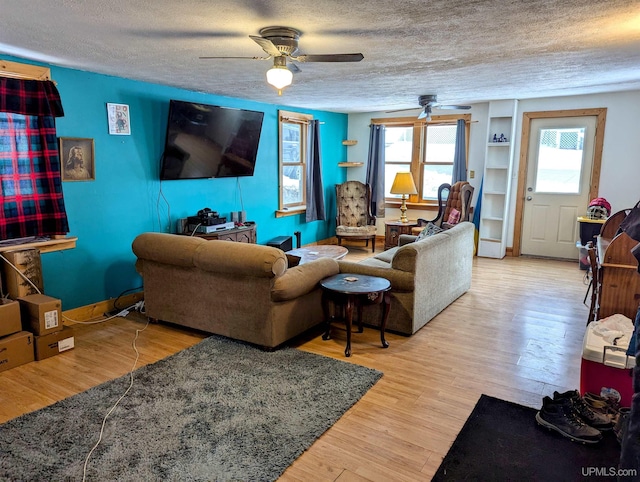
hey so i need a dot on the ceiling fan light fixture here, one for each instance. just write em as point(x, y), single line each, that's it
point(280, 77)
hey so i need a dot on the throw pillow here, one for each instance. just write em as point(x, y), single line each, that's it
point(429, 230)
point(454, 216)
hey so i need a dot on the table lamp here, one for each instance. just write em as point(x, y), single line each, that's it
point(403, 184)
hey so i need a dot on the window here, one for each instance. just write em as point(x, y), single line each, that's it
point(560, 156)
point(426, 149)
point(292, 161)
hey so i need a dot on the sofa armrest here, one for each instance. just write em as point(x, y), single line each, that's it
point(400, 280)
point(406, 239)
point(302, 279)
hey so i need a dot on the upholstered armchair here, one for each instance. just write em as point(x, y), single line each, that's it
point(354, 219)
point(451, 197)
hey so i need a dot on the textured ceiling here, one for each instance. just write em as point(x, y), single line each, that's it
point(463, 51)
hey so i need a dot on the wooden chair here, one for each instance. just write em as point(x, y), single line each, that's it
point(450, 197)
point(354, 219)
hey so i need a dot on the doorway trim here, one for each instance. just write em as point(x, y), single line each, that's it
point(527, 117)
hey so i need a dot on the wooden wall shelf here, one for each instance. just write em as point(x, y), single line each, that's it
point(350, 164)
point(349, 142)
point(44, 246)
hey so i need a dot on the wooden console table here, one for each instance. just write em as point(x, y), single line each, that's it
point(241, 234)
point(393, 230)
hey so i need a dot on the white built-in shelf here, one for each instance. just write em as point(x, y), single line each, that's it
point(350, 164)
point(499, 144)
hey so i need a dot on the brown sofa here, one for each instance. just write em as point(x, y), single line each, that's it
point(426, 276)
point(239, 290)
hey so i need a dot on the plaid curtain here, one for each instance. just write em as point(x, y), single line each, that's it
point(30, 183)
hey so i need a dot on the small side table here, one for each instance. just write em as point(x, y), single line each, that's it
point(393, 230)
point(348, 291)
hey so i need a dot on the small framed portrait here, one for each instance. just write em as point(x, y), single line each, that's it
point(118, 117)
point(77, 159)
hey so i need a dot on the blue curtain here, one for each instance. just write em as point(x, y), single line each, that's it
point(375, 169)
point(460, 156)
point(315, 190)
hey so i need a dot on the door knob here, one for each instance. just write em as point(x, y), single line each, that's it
point(529, 198)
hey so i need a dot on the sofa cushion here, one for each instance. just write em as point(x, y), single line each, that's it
point(241, 259)
point(167, 248)
point(301, 279)
point(356, 230)
point(386, 255)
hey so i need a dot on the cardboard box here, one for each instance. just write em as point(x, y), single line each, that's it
point(9, 317)
point(41, 314)
point(54, 343)
point(16, 350)
point(27, 261)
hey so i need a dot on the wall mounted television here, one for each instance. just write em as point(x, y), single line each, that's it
point(205, 141)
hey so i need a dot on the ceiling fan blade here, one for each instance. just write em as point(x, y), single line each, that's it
point(247, 58)
point(330, 58)
point(453, 107)
point(400, 110)
point(293, 68)
point(267, 45)
point(423, 114)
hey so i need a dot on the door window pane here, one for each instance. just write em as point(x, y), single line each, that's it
point(560, 156)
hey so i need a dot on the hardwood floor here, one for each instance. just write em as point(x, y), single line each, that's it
point(516, 335)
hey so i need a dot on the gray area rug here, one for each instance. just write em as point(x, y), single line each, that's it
point(220, 410)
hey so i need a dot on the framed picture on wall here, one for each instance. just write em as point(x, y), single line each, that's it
point(118, 117)
point(77, 159)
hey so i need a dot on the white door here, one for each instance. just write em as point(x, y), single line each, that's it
point(559, 165)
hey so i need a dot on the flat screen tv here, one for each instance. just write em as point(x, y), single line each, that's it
point(205, 141)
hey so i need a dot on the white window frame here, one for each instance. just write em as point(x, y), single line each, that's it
point(286, 117)
point(419, 148)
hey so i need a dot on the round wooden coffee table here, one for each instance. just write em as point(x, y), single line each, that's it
point(348, 291)
point(310, 253)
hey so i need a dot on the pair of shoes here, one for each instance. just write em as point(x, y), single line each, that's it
point(606, 405)
point(560, 415)
point(622, 422)
point(592, 418)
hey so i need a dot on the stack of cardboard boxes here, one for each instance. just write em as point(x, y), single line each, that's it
point(30, 323)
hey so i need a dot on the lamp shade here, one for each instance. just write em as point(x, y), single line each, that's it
point(279, 77)
point(403, 184)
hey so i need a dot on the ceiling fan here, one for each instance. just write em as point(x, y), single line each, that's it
point(281, 43)
point(430, 101)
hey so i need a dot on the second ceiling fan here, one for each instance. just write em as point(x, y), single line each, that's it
point(281, 43)
point(429, 102)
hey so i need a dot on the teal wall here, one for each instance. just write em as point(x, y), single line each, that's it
point(127, 197)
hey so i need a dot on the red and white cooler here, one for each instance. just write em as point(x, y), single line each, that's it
point(606, 365)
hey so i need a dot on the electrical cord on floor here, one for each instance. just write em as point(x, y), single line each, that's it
point(121, 312)
point(115, 303)
point(104, 420)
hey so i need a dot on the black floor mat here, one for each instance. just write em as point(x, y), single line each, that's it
point(502, 441)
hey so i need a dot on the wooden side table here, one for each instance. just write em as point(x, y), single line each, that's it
point(393, 230)
point(348, 291)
